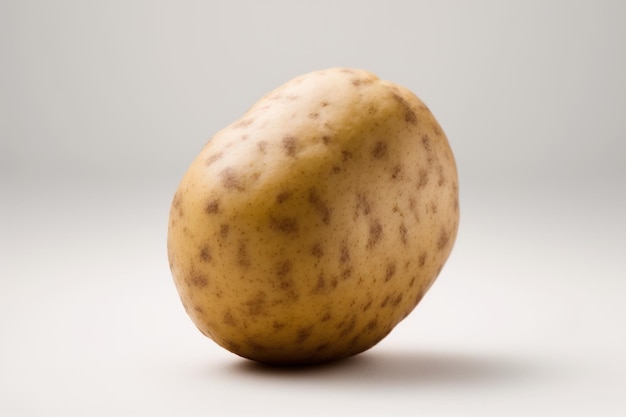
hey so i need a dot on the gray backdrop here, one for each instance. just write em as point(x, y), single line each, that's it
point(103, 105)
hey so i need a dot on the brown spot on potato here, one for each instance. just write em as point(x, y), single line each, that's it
point(397, 300)
point(347, 326)
point(372, 325)
point(230, 179)
point(198, 280)
point(346, 273)
point(320, 285)
point(278, 325)
point(345, 156)
point(422, 180)
point(262, 145)
point(314, 115)
point(205, 254)
point(325, 139)
point(228, 318)
point(287, 225)
point(362, 206)
point(409, 113)
point(442, 179)
point(320, 206)
point(224, 229)
point(385, 301)
point(243, 258)
point(422, 259)
point(375, 233)
point(213, 158)
point(380, 150)
point(444, 237)
point(390, 271)
point(426, 143)
point(212, 206)
point(322, 346)
point(257, 347)
point(403, 234)
point(316, 250)
point(257, 304)
point(433, 207)
point(326, 317)
point(303, 334)
point(283, 196)
point(290, 146)
point(368, 305)
point(344, 253)
point(396, 171)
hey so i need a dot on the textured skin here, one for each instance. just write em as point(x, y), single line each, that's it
point(306, 230)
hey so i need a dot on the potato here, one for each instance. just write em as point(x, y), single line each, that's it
point(305, 231)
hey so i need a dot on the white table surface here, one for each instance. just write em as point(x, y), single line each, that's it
point(527, 317)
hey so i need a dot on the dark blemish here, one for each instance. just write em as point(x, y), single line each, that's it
point(409, 114)
point(346, 273)
point(287, 225)
point(354, 340)
point(444, 237)
point(198, 309)
point(244, 137)
point(320, 206)
point(244, 123)
point(290, 145)
point(277, 325)
point(320, 285)
point(314, 115)
point(403, 234)
point(326, 317)
point(230, 180)
point(422, 178)
point(426, 143)
point(380, 150)
point(412, 282)
point(212, 206)
point(335, 169)
point(256, 305)
point(347, 327)
point(362, 206)
point(433, 207)
point(283, 268)
point(303, 334)
point(397, 300)
point(396, 171)
point(199, 281)
point(317, 251)
point(262, 145)
point(422, 259)
point(228, 319)
point(345, 155)
point(243, 259)
point(326, 139)
point(390, 271)
point(385, 301)
point(344, 253)
point(205, 254)
point(283, 196)
point(375, 233)
point(333, 282)
point(324, 103)
point(442, 178)
point(322, 346)
point(368, 305)
point(372, 325)
point(224, 229)
point(211, 159)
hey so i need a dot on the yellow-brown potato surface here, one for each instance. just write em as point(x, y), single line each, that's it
point(306, 230)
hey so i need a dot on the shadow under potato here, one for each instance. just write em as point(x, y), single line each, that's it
point(385, 367)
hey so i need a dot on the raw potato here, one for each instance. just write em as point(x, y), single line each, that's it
point(306, 230)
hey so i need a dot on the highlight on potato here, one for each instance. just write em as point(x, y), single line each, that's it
point(305, 231)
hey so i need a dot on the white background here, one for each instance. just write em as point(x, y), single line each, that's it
point(104, 104)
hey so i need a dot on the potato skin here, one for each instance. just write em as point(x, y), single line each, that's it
point(308, 229)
